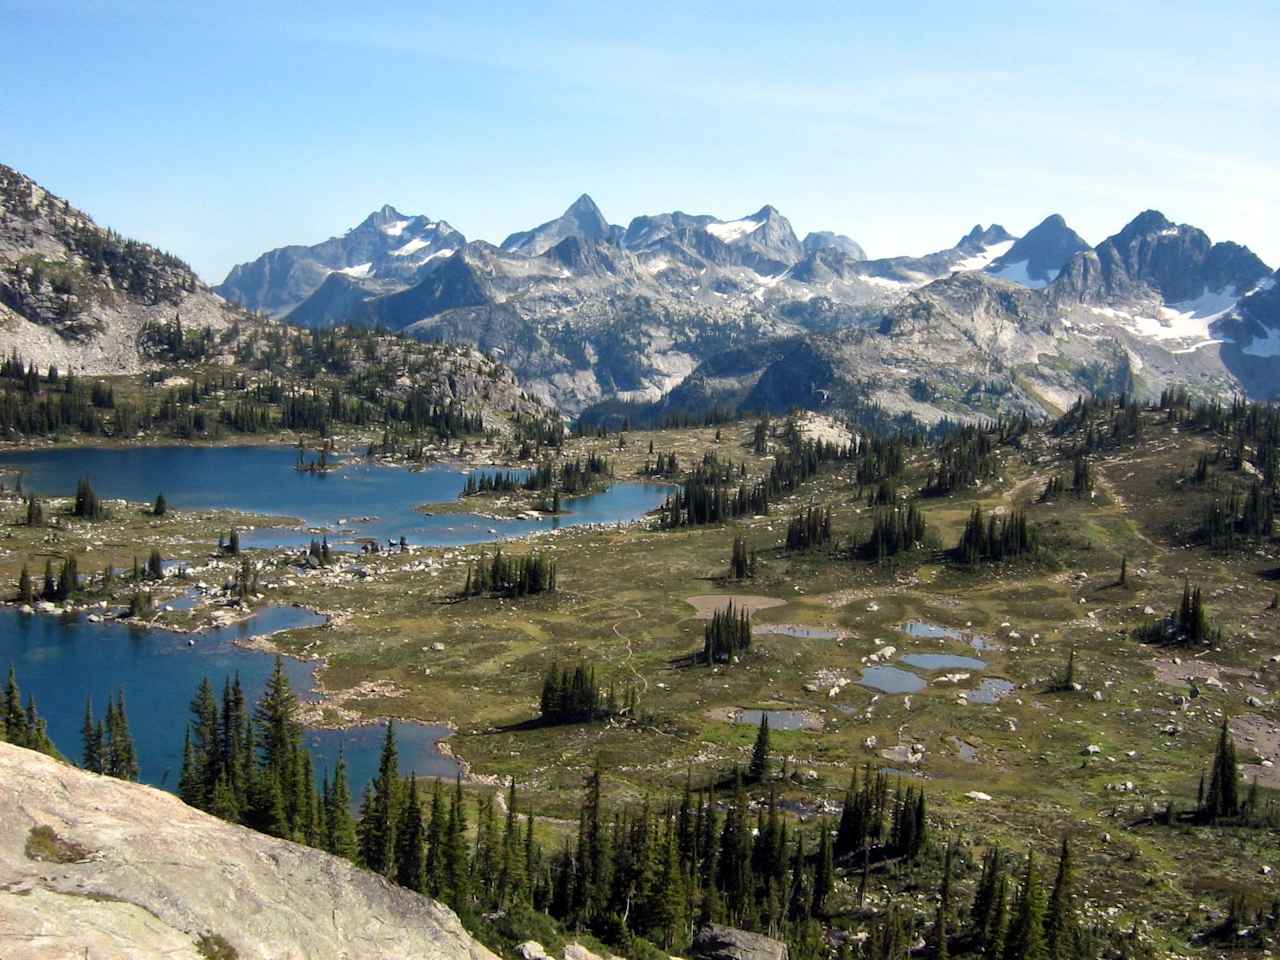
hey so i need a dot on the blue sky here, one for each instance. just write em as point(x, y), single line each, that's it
point(226, 129)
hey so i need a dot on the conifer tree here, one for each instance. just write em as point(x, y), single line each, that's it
point(161, 506)
point(456, 867)
point(26, 592)
point(91, 738)
point(759, 768)
point(511, 872)
point(435, 844)
point(121, 761)
point(378, 821)
point(1025, 940)
point(941, 925)
point(410, 842)
point(1061, 926)
point(824, 871)
point(341, 839)
point(1223, 798)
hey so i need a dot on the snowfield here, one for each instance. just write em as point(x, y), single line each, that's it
point(1017, 273)
point(733, 230)
point(980, 260)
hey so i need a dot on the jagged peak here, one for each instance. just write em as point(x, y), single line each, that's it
point(981, 236)
point(1147, 222)
point(584, 206)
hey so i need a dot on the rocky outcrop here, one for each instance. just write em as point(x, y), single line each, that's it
point(1155, 258)
point(96, 867)
point(714, 942)
point(78, 296)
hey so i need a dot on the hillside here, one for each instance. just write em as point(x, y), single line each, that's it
point(77, 295)
point(98, 867)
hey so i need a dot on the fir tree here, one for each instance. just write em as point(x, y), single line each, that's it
point(1061, 929)
point(378, 822)
point(1026, 939)
point(941, 925)
point(410, 838)
point(91, 739)
point(1223, 798)
point(341, 829)
point(759, 768)
point(455, 867)
point(120, 759)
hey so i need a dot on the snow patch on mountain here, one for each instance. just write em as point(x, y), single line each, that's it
point(983, 257)
point(1017, 273)
point(1188, 320)
point(360, 270)
point(395, 228)
point(734, 229)
point(413, 246)
point(1268, 346)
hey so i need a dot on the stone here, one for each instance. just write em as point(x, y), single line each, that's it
point(532, 950)
point(1092, 749)
point(978, 795)
point(716, 942)
point(155, 874)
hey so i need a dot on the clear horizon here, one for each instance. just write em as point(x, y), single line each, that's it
point(220, 135)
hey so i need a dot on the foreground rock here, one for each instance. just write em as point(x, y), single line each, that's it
point(714, 942)
point(95, 867)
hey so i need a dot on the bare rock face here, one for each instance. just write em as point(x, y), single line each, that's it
point(714, 942)
point(94, 867)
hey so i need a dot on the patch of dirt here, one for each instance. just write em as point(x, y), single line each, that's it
point(1257, 739)
point(1177, 674)
point(707, 604)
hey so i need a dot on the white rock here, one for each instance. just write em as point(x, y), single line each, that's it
point(978, 795)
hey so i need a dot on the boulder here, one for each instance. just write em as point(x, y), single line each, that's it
point(715, 942)
point(124, 870)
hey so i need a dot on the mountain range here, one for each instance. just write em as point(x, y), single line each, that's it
point(679, 311)
point(662, 310)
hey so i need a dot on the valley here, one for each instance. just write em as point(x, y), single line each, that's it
point(530, 576)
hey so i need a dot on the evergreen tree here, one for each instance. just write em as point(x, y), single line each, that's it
point(410, 838)
point(1223, 798)
point(456, 867)
point(120, 759)
point(26, 592)
point(91, 738)
point(161, 506)
point(378, 822)
point(1061, 928)
point(824, 871)
point(435, 844)
point(341, 838)
point(941, 925)
point(759, 768)
point(1025, 940)
point(511, 876)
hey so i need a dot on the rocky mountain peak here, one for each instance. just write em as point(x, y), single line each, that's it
point(981, 236)
point(1145, 224)
point(1037, 258)
point(581, 219)
point(826, 239)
